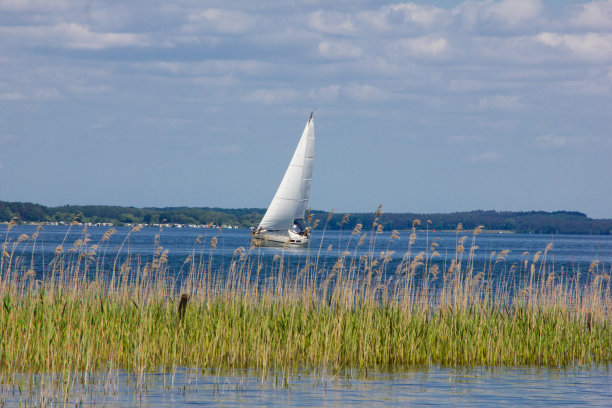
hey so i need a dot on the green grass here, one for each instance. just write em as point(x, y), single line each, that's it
point(342, 316)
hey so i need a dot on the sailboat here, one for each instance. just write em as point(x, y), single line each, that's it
point(284, 224)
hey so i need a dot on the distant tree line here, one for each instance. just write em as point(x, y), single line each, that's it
point(538, 222)
point(28, 212)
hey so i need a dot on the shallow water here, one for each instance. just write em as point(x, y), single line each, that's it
point(421, 386)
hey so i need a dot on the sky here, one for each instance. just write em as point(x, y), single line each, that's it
point(426, 106)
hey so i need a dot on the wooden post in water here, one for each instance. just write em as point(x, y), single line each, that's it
point(182, 306)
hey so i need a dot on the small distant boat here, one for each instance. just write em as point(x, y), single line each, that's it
point(284, 224)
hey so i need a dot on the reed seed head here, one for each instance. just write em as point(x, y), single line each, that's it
point(379, 211)
point(537, 256)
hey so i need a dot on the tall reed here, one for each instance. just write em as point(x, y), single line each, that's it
point(82, 314)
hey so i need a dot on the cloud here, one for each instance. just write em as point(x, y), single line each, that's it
point(594, 15)
point(212, 67)
point(325, 94)
point(514, 12)
point(411, 12)
point(591, 46)
point(339, 49)
point(34, 5)
point(363, 92)
point(70, 35)
point(498, 16)
point(406, 17)
point(220, 21)
point(552, 141)
point(270, 96)
point(486, 157)
point(102, 124)
point(331, 22)
point(47, 93)
point(428, 46)
point(11, 96)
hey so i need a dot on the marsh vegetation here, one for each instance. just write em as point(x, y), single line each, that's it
point(94, 309)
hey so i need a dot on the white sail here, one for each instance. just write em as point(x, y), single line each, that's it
point(291, 198)
point(307, 170)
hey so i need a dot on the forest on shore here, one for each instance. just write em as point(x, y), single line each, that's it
point(537, 222)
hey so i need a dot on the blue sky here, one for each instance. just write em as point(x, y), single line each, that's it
point(434, 106)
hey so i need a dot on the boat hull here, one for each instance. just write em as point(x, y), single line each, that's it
point(267, 239)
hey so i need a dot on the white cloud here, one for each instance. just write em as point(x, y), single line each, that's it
point(594, 15)
point(339, 49)
point(102, 124)
point(220, 21)
point(270, 96)
point(325, 94)
point(363, 92)
point(428, 46)
point(551, 141)
point(34, 5)
point(404, 17)
point(503, 15)
point(47, 93)
point(11, 96)
point(70, 35)
point(211, 67)
point(592, 46)
point(514, 12)
point(331, 22)
point(424, 15)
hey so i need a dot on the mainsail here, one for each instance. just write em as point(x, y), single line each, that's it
point(291, 198)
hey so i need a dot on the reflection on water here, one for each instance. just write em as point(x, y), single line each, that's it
point(427, 386)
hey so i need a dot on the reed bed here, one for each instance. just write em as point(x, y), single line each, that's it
point(92, 310)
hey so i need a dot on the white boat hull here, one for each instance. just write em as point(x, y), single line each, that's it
point(271, 239)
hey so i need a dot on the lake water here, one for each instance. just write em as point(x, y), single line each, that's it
point(436, 386)
point(569, 253)
point(425, 386)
